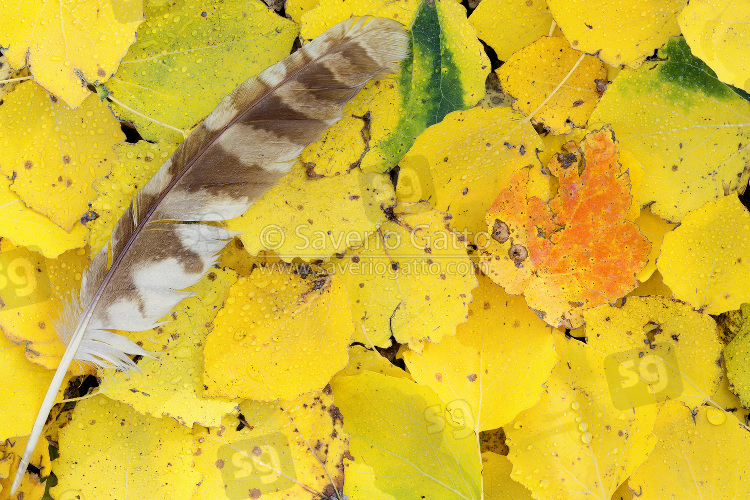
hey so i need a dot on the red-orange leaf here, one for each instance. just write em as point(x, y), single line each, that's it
point(577, 251)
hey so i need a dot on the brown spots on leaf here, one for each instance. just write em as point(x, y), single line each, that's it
point(257, 451)
point(335, 414)
point(439, 377)
point(28, 164)
point(220, 464)
point(472, 377)
point(579, 102)
point(518, 254)
point(66, 159)
point(101, 73)
point(601, 86)
point(500, 231)
point(254, 493)
point(68, 182)
point(516, 323)
point(674, 168)
point(486, 305)
point(53, 98)
point(42, 325)
point(211, 276)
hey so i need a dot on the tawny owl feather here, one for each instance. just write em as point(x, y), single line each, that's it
point(240, 150)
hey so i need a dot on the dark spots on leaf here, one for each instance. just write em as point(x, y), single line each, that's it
point(257, 451)
point(500, 231)
point(518, 254)
point(588, 26)
point(516, 324)
point(601, 86)
point(220, 464)
point(472, 377)
point(28, 164)
point(674, 168)
point(566, 160)
point(254, 493)
point(100, 73)
point(439, 377)
point(578, 103)
point(465, 191)
point(68, 182)
point(522, 150)
point(42, 325)
point(486, 305)
point(445, 159)
point(204, 13)
point(335, 414)
point(53, 98)
point(211, 276)
point(394, 266)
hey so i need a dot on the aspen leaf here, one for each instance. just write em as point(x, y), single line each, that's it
point(420, 454)
point(53, 153)
point(188, 56)
point(731, 323)
point(706, 258)
point(135, 165)
point(33, 300)
point(575, 443)
point(497, 482)
point(497, 23)
point(298, 8)
point(461, 163)
point(619, 33)
point(534, 72)
point(10, 455)
point(654, 228)
point(658, 348)
point(24, 386)
point(25, 227)
point(362, 360)
point(717, 32)
point(109, 448)
point(697, 456)
point(688, 130)
point(654, 285)
point(445, 72)
point(496, 364)
point(274, 326)
point(737, 359)
point(727, 400)
point(69, 44)
point(411, 280)
point(315, 218)
point(291, 449)
point(575, 252)
point(170, 384)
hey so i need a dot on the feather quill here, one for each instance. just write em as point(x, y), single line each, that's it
point(238, 152)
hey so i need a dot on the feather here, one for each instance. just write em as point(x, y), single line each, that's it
point(236, 154)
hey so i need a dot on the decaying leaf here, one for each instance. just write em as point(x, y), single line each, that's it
point(281, 450)
point(688, 130)
point(109, 449)
point(52, 153)
point(697, 456)
point(737, 359)
point(576, 444)
point(575, 252)
point(32, 487)
point(188, 56)
point(498, 484)
point(423, 451)
point(69, 44)
point(278, 336)
point(533, 73)
point(654, 228)
point(362, 359)
point(496, 364)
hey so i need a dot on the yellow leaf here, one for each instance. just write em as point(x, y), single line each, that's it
point(575, 443)
point(135, 165)
point(727, 400)
point(31, 486)
point(688, 130)
point(717, 32)
point(279, 335)
point(657, 348)
point(298, 8)
point(497, 482)
point(654, 228)
point(496, 364)
point(634, 169)
point(291, 449)
point(545, 66)
point(446, 71)
point(460, 164)
point(737, 359)
point(33, 298)
point(621, 33)
point(188, 56)
point(509, 25)
point(24, 387)
point(411, 280)
point(704, 261)
point(315, 218)
point(421, 454)
point(25, 227)
point(697, 456)
point(52, 154)
point(363, 360)
point(110, 451)
point(654, 285)
point(69, 44)
point(171, 385)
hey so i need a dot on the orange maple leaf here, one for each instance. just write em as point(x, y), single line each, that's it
point(577, 251)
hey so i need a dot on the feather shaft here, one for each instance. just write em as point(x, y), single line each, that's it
point(236, 154)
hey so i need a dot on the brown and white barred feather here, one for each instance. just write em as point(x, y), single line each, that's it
point(241, 149)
